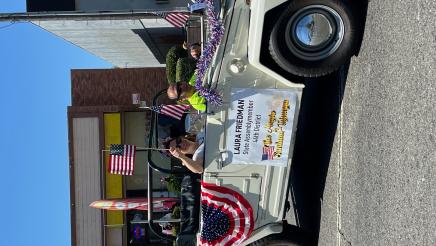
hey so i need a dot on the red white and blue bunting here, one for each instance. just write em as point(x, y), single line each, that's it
point(227, 217)
point(215, 35)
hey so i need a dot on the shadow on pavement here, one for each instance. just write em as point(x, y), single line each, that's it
point(317, 123)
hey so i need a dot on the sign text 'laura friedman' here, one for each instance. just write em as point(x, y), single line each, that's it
point(261, 122)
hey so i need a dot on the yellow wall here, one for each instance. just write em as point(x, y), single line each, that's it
point(114, 183)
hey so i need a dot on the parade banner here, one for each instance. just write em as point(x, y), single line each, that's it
point(160, 204)
point(260, 126)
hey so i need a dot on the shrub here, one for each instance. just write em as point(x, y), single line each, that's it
point(185, 68)
point(174, 54)
point(174, 183)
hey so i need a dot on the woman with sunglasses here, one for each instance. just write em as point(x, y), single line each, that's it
point(182, 147)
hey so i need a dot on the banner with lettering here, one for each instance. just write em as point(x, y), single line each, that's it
point(260, 126)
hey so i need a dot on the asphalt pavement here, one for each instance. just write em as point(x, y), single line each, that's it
point(379, 185)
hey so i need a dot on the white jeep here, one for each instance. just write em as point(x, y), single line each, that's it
point(266, 47)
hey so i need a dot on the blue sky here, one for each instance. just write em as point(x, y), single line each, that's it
point(35, 78)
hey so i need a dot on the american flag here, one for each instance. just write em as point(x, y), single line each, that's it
point(176, 19)
point(175, 111)
point(122, 159)
point(227, 217)
point(268, 153)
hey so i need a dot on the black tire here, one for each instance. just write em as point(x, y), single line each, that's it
point(307, 60)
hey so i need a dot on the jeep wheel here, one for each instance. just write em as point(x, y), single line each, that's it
point(313, 37)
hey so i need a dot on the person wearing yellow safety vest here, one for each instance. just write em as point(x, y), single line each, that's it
point(185, 93)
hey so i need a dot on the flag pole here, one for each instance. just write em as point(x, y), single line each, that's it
point(137, 148)
point(186, 112)
point(199, 113)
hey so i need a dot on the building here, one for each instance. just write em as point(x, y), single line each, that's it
point(126, 33)
point(130, 35)
point(102, 113)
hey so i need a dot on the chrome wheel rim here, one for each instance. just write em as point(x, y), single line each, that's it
point(314, 32)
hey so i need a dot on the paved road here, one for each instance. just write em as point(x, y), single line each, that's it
point(380, 183)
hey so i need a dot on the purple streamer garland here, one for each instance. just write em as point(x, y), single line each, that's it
point(215, 35)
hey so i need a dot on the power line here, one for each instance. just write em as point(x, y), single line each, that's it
point(8, 25)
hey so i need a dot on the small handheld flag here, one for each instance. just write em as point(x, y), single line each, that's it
point(122, 159)
point(176, 111)
point(176, 19)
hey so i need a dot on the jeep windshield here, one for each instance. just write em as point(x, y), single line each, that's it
point(164, 170)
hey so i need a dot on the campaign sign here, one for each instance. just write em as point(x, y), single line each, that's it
point(260, 126)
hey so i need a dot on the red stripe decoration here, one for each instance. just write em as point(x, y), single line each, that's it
point(227, 217)
point(122, 159)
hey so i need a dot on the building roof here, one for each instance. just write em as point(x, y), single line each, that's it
point(124, 43)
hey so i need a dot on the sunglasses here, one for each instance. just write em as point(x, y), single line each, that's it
point(178, 90)
point(178, 142)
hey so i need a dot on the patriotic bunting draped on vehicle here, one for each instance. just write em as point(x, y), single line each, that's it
point(122, 159)
point(227, 217)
